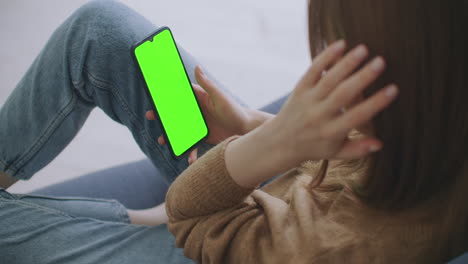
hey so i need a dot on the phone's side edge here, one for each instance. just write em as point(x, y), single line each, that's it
point(147, 91)
point(198, 104)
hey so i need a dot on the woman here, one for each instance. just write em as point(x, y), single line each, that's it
point(390, 191)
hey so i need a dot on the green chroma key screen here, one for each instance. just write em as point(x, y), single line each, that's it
point(171, 91)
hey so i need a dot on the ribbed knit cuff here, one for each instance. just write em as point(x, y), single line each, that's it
point(223, 186)
point(205, 187)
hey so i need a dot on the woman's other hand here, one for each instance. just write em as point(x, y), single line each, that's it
point(224, 116)
point(312, 122)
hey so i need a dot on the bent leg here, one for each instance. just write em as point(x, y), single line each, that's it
point(86, 63)
point(145, 189)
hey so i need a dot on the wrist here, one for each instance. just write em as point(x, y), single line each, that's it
point(258, 156)
point(255, 119)
point(279, 142)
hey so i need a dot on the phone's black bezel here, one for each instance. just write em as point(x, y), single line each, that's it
point(153, 106)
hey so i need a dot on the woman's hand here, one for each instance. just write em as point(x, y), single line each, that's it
point(223, 115)
point(313, 125)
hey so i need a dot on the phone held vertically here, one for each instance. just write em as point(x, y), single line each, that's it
point(172, 96)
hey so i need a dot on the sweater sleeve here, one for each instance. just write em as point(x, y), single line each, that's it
point(217, 221)
point(204, 187)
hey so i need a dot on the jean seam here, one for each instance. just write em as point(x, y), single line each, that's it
point(3, 163)
point(96, 81)
point(38, 207)
point(114, 204)
point(66, 198)
point(109, 87)
point(121, 215)
point(17, 164)
point(149, 140)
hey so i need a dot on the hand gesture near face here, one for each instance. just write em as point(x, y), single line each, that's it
point(311, 121)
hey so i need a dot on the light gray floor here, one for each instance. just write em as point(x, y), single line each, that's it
point(258, 49)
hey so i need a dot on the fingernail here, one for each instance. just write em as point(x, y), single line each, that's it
point(360, 52)
point(374, 148)
point(201, 71)
point(377, 65)
point(391, 91)
point(339, 46)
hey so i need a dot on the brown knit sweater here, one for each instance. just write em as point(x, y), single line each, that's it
point(217, 221)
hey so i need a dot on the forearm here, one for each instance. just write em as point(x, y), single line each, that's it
point(229, 172)
point(150, 217)
point(256, 118)
point(258, 155)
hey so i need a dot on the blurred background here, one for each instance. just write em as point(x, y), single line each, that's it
point(257, 49)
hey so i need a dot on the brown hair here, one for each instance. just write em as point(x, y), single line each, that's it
point(425, 131)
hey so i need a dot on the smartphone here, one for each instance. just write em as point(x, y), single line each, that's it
point(172, 96)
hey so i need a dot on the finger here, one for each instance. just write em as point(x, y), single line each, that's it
point(193, 156)
point(349, 90)
point(202, 95)
point(340, 71)
point(205, 102)
point(208, 85)
point(150, 115)
point(355, 149)
point(199, 91)
point(161, 140)
point(321, 63)
point(365, 111)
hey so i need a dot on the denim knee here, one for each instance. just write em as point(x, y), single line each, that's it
point(110, 22)
point(105, 30)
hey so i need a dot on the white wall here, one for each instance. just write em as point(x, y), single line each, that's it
point(258, 49)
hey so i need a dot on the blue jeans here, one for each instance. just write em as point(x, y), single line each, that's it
point(86, 63)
